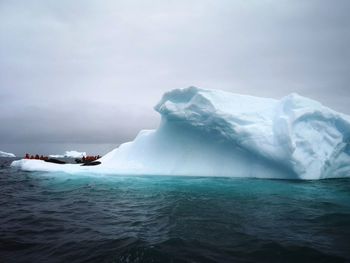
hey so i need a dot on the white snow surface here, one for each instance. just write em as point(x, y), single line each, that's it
point(216, 133)
point(69, 154)
point(5, 154)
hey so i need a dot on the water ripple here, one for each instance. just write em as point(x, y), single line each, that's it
point(60, 218)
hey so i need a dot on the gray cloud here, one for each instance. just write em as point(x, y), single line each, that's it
point(91, 71)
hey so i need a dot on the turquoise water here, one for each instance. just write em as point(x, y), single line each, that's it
point(53, 217)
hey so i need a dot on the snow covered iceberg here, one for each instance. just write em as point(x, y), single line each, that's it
point(5, 154)
point(69, 154)
point(217, 133)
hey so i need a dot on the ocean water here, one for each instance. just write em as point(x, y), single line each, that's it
point(56, 217)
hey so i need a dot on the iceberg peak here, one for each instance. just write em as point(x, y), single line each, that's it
point(297, 133)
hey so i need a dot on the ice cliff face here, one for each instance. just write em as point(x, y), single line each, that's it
point(216, 133)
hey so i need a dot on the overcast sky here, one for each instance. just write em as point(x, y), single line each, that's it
point(91, 71)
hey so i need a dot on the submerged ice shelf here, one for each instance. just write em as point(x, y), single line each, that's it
point(217, 133)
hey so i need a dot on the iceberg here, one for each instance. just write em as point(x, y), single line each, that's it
point(69, 154)
point(5, 154)
point(216, 133)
